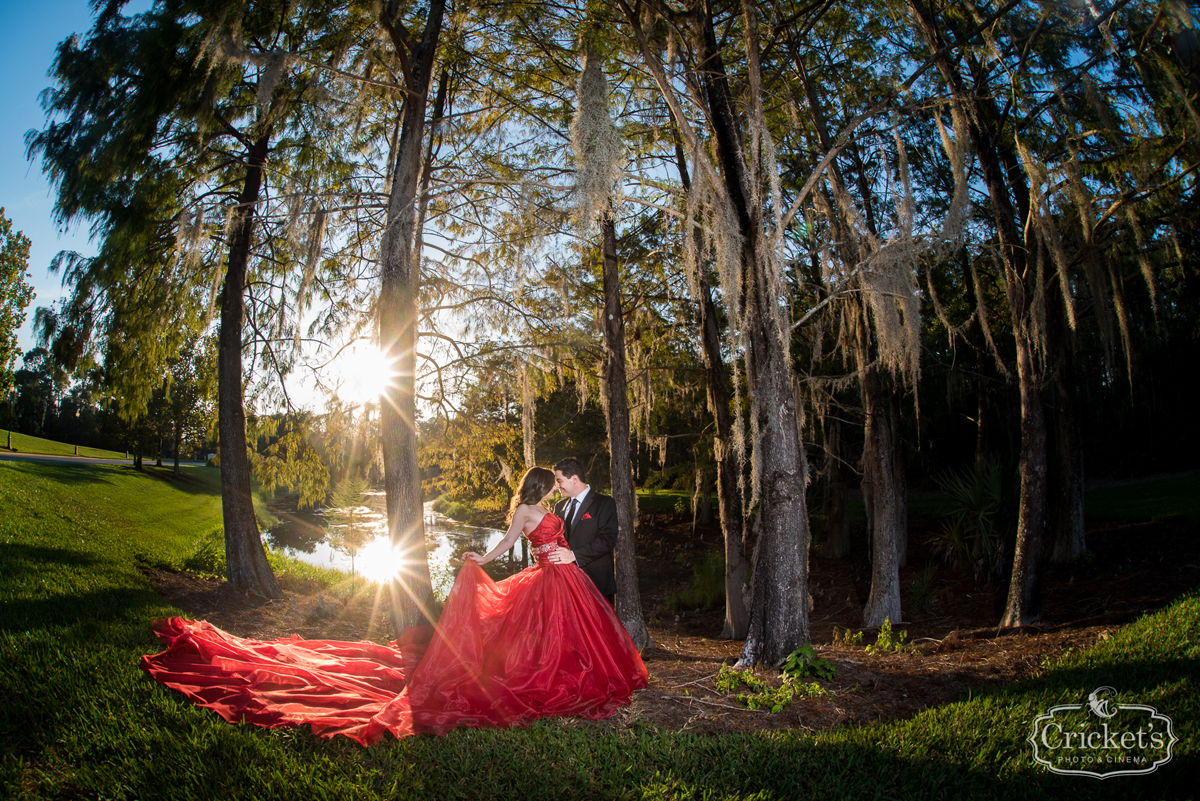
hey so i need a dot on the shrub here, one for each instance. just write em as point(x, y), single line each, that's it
point(805, 662)
point(978, 520)
point(763, 695)
point(207, 555)
point(887, 641)
point(846, 638)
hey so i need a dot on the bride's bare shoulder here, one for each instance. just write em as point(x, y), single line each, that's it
point(531, 514)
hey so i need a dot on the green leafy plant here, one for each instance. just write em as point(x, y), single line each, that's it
point(762, 695)
point(888, 642)
point(846, 638)
point(805, 662)
point(206, 557)
point(777, 699)
point(729, 679)
point(977, 520)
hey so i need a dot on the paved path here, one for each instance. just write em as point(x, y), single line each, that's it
point(7, 456)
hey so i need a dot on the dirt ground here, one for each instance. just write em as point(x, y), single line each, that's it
point(1131, 569)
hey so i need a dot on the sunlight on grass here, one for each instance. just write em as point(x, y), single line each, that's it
point(80, 720)
point(23, 443)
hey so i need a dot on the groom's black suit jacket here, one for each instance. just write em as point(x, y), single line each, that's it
point(593, 538)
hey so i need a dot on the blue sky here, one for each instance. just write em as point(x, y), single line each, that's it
point(29, 33)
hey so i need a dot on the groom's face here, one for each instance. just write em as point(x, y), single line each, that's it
point(568, 486)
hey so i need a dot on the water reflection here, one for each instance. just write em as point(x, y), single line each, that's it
point(354, 540)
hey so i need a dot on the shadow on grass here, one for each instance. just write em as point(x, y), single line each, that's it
point(17, 558)
point(97, 608)
point(64, 473)
point(193, 480)
point(676, 766)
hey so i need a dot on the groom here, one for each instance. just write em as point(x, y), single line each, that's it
point(590, 523)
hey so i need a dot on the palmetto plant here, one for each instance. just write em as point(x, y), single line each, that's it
point(972, 532)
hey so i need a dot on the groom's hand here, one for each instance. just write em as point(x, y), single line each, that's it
point(562, 556)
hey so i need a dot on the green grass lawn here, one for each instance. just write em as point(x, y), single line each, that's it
point(80, 720)
point(23, 443)
point(1153, 500)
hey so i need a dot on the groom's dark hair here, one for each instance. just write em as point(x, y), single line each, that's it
point(571, 467)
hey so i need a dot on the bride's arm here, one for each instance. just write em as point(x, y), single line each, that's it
point(520, 518)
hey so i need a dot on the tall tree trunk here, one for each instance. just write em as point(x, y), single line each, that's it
point(629, 599)
point(779, 592)
point(779, 607)
point(979, 342)
point(836, 543)
point(883, 603)
point(883, 495)
point(1009, 196)
point(528, 418)
point(702, 499)
point(1024, 604)
point(178, 443)
point(411, 589)
point(899, 481)
point(246, 565)
point(1068, 538)
point(729, 505)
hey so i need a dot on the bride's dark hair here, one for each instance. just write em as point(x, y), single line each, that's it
point(536, 482)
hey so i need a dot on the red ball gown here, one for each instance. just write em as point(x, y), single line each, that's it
point(542, 642)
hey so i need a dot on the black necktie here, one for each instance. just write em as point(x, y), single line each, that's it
point(571, 513)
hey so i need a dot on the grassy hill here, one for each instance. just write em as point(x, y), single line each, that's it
point(23, 443)
point(80, 720)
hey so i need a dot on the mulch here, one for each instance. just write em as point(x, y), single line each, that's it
point(1131, 569)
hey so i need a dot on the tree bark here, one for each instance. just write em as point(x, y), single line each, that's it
point(883, 603)
point(629, 599)
point(899, 483)
point(528, 418)
point(1068, 533)
point(837, 522)
point(779, 609)
point(1009, 196)
point(411, 589)
point(1024, 604)
point(178, 442)
point(779, 592)
point(729, 504)
point(246, 565)
point(702, 499)
point(883, 493)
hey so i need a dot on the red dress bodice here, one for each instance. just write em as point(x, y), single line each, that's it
point(546, 537)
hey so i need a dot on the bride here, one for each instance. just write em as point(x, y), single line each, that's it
point(542, 642)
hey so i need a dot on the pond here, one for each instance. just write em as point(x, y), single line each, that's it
point(355, 540)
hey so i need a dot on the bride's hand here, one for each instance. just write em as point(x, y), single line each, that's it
point(476, 558)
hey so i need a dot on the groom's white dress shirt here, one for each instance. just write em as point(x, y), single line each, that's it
point(573, 512)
